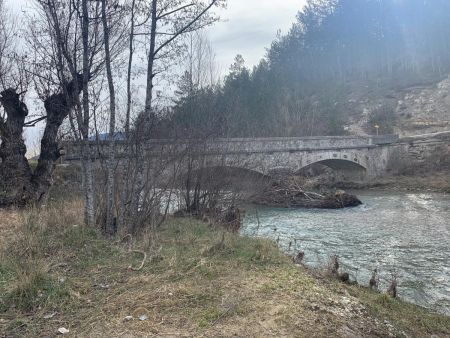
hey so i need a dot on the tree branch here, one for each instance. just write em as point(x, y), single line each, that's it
point(174, 11)
point(33, 123)
point(186, 27)
point(2, 125)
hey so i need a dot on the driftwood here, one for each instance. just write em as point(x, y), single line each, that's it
point(289, 194)
point(144, 258)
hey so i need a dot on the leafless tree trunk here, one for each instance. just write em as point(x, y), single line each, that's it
point(194, 20)
point(178, 17)
point(125, 189)
point(15, 171)
point(110, 223)
point(19, 184)
point(86, 157)
point(151, 59)
point(129, 70)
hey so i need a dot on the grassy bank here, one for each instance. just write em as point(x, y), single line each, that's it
point(56, 273)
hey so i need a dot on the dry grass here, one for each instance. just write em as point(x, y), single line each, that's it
point(10, 221)
point(245, 287)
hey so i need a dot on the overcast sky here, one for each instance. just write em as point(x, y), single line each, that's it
point(247, 27)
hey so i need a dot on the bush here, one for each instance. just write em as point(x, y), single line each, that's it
point(384, 117)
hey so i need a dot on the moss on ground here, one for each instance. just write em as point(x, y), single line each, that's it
point(56, 273)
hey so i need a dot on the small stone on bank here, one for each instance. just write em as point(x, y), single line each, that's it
point(50, 315)
point(63, 330)
point(143, 317)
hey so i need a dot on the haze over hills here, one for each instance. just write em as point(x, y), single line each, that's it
point(344, 67)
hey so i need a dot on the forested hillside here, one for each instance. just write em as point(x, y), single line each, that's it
point(345, 66)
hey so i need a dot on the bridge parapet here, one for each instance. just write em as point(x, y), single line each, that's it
point(241, 145)
point(298, 143)
point(373, 155)
point(385, 139)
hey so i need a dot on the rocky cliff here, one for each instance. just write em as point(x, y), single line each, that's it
point(413, 110)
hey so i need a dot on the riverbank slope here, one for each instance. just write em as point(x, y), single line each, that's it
point(197, 282)
point(430, 182)
point(420, 181)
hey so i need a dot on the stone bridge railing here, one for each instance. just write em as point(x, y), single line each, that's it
point(238, 145)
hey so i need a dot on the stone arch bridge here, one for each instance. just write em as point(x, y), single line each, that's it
point(355, 157)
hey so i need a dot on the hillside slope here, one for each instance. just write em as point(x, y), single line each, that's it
point(412, 110)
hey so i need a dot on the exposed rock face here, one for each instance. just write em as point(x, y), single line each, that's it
point(417, 109)
point(425, 108)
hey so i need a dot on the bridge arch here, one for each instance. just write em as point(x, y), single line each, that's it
point(336, 159)
point(229, 171)
point(351, 166)
point(338, 164)
point(227, 177)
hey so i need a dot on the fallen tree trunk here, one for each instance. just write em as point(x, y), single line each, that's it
point(19, 184)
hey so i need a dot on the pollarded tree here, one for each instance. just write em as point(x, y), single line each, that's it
point(53, 67)
point(19, 184)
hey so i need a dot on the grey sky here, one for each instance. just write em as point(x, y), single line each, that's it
point(249, 26)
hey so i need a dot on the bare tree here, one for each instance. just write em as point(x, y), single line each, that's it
point(162, 25)
point(131, 47)
point(109, 227)
point(6, 46)
point(64, 36)
point(84, 125)
point(20, 184)
point(206, 190)
point(76, 48)
point(169, 21)
point(87, 37)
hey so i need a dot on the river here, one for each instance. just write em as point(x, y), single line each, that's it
point(406, 234)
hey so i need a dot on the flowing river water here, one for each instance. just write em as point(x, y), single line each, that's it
point(406, 234)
